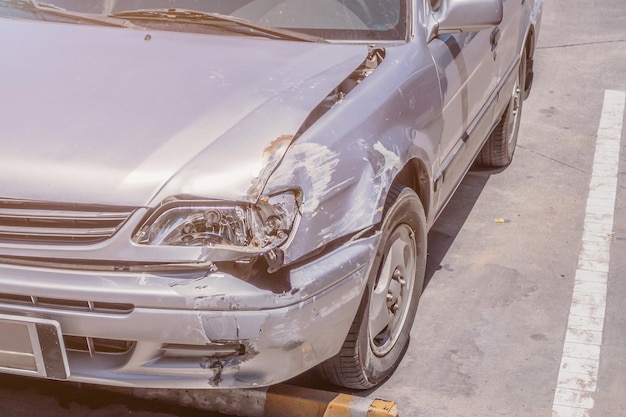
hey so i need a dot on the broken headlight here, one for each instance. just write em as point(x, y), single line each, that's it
point(260, 227)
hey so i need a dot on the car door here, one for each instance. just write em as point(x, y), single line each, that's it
point(468, 73)
point(513, 28)
point(509, 39)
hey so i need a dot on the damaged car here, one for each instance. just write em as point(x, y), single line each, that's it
point(226, 194)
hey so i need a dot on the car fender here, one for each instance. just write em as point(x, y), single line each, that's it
point(345, 163)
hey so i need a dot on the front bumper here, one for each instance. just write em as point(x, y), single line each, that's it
point(194, 330)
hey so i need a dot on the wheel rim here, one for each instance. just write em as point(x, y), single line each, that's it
point(391, 297)
point(514, 113)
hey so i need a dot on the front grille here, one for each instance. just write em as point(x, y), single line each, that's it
point(62, 304)
point(42, 222)
point(93, 345)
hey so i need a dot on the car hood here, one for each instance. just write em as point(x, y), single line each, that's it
point(128, 117)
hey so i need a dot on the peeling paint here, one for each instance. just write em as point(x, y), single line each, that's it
point(216, 366)
point(392, 162)
point(318, 163)
point(272, 155)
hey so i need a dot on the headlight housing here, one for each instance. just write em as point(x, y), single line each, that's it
point(257, 227)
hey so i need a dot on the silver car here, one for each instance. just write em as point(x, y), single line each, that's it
point(227, 193)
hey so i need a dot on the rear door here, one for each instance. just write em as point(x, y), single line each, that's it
point(510, 39)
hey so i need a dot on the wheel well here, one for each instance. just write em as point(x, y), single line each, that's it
point(415, 176)
point(529, 49)
point(530, 43)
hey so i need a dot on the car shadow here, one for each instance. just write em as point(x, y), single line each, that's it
point(451, 221)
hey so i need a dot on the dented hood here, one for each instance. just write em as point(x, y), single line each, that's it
point(114, 116)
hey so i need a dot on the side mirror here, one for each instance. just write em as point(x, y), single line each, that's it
point(468, 15)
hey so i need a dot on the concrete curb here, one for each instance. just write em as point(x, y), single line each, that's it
point(275, 401)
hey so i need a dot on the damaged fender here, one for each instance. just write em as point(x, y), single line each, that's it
point(346, 169)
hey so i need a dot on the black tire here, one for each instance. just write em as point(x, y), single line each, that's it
point(376, 342)
point(499, 149)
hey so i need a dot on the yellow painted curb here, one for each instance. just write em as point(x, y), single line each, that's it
point(341, 406)
point(383, 408)
point(290, 401)
point(349, 406)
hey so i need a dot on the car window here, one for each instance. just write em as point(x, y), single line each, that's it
point(321, 14)
point(329, 19)
point(365, 20)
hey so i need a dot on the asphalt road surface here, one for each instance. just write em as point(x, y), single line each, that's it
point(507, 263)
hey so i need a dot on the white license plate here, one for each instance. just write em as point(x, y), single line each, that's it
point(32, 346)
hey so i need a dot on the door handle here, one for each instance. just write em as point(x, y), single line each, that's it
point(495, 37)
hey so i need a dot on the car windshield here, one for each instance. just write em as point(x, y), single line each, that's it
point(352, 20)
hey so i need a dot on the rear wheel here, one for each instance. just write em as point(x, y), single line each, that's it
point(379, 334)
point(499, 148)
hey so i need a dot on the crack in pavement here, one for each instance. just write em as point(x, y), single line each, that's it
point(581, 44)
point(554, 160)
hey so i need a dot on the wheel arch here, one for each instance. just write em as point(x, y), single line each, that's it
point(415, 175)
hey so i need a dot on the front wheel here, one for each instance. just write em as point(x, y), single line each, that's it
point(379, 334)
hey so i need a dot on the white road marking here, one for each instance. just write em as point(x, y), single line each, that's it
point(578, 374)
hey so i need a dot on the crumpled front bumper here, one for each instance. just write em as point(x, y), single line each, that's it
point(194, 330)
